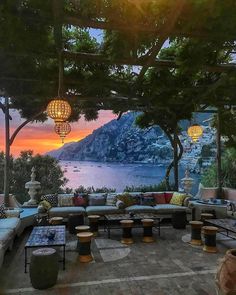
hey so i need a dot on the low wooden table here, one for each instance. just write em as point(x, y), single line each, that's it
point(112, 221)
point(39, 238)
point(226, 224)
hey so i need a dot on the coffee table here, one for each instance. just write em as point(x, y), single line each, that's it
point(228, 225)
point(39, 238)
point(112, 221)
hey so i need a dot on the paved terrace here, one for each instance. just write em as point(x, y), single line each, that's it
point(169, 266)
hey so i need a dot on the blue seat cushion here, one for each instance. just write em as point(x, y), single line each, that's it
point(168, 208)
point(102, 210)
point(12, 223)
point(140, 208)
point(65, 211)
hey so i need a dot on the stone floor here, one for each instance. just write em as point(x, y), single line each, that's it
point(170, 266)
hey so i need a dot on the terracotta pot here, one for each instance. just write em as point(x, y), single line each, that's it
point(226, 274)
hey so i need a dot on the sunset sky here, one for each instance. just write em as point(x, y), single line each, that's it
point(41, 138)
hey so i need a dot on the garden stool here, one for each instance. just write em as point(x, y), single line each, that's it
point(93, 223)
point(205, 216)
point(56, 220)
point(84, 246)
point(147, 230)
point(73, 221)
point(44, 268)
point(209, 238)
point(80, 229)
point(179, 219)
point(127, 231)
point(196, 227)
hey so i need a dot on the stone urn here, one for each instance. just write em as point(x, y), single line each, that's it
point(33, 186)
point(226, 274)
point(187, 182)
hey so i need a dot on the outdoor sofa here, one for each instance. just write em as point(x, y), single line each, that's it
point(102, 204)
point(9, 227)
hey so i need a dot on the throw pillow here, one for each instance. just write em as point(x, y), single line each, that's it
point(80, 201)
point(177, 199)
point(2, 212)
point(52, 199)
point(65, 200)
point(159, 198)
point(97, 200)
point(120, 204)
point(148, 200)
point(127, 199)
point(111, 199)
point(46, 205)
point(168, 196)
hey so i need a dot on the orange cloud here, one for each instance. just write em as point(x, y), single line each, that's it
point(41, 138)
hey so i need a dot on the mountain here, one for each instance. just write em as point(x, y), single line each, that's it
point(119, 141)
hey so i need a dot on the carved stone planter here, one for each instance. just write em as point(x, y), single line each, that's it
point(226, 274)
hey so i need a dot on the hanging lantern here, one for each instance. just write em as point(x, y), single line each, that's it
point(62, 129)
point(59, 110)
point(195, 131)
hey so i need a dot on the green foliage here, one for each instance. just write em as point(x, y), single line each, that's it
point(209, 177)
point(161, 187)
point(48, 173)
point(91, 189)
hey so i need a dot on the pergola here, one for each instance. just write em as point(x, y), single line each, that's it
point(136, 31)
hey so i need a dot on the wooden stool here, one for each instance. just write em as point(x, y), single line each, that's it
point(210, 238)
point(147, 230)
point(73, 221)
point(205, 216)
point(56, 220)
point(196, 227)
point(44, 268)
point(93, 223)
point(84, 246)
point(127, 231)
point(81, 229)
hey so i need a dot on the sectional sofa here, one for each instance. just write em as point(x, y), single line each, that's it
point(101, 204)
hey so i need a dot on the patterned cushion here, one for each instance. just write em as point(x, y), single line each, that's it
point(65, 200)
point(148, 200)
point(127, 199)
point(120, 204)
point(97, 200)
point(46, 205)
point(80, 201)
point(2, 212)
point(52, 199)
point(168, 196)
point(111, 199)
point(177, 199)
point(159, 198)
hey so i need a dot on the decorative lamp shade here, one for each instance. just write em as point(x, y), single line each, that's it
point(59, 110)
point(62, 129)
point(195, 131)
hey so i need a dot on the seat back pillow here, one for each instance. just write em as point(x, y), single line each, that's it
point(159, 198)
point(52, 199)
point(111, 199)
point(97, 200)
point(178, 199)
point(168, 196)
point(127, 199)
point(65, 200)
point(148, 200)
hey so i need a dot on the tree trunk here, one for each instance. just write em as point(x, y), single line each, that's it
point(176, 167)
point(218, 156)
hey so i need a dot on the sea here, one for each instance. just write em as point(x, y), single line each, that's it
point(116, 175)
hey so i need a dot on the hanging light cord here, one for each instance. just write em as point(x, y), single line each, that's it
point(60, 73)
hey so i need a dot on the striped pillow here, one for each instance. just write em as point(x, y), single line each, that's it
point(2, 212)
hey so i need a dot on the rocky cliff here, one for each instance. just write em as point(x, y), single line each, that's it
point(119, 141)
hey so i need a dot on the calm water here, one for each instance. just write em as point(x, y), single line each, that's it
point(113, 175)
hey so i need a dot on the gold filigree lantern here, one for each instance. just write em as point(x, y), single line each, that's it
point(59, 110)
point(195, 131)
point(62, 129)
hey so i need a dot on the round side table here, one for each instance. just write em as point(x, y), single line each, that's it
point(84, 246)
point(81, 229)
point(210, 239)
point(205, 216)
point(44, 268)
point(147, 230)
point(196, 227)
point(127, 231)
point(93, 223)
